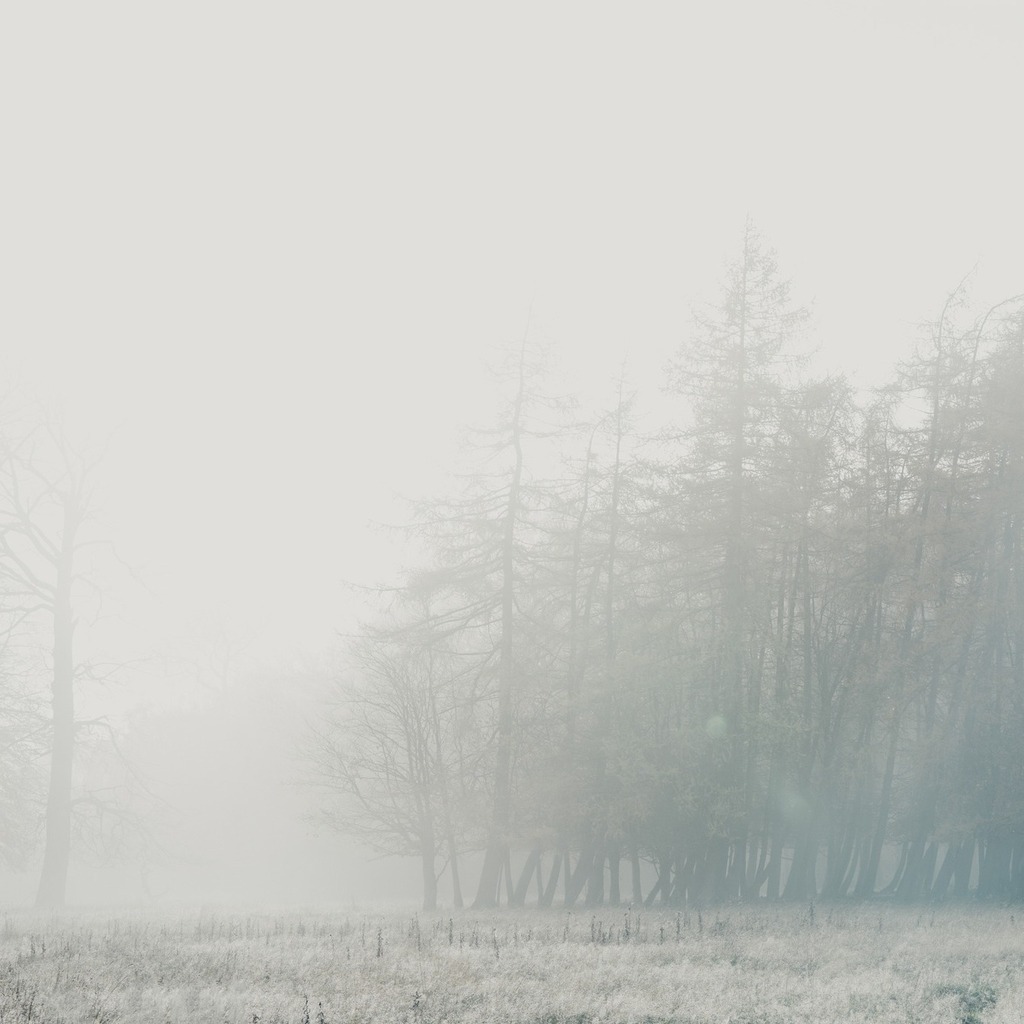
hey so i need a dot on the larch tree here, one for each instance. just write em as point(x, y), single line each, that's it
point(732, 373)
point(489, 590)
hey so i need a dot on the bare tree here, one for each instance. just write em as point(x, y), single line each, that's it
point(23, 727)
point(390, 750)
point(44, 503)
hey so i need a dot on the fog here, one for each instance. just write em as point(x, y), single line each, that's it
point(260, 264)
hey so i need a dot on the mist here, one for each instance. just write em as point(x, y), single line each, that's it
point(273, 283)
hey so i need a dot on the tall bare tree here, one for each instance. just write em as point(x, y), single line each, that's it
point(44, 503)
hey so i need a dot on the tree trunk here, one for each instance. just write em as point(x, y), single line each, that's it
point(637, 885)
point(456, 884)
point(532, 864)
point(866, 882)
point(427, 858)
point(962, 869)
point(595, 880)
point(941, 883)
point(549, 889)
point(498, 842)
point(52, 890)
point(577, 878)
point(614, 858)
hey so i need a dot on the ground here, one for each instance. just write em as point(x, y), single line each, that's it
point(763, 965)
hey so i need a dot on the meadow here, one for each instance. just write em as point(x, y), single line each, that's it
point(745, 965)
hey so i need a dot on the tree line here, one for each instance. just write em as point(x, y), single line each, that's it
point(772, 650)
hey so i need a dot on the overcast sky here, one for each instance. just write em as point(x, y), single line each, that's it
point(269, 247)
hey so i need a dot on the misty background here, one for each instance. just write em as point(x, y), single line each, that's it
point(260, 262)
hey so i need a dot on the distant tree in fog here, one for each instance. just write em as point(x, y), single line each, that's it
point(390, 750)
point(23, 728)
point(44, 504)
point(491, 586)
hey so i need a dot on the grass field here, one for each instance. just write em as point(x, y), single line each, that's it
point(765, 965)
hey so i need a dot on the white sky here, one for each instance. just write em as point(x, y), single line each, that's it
point(270, 244)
